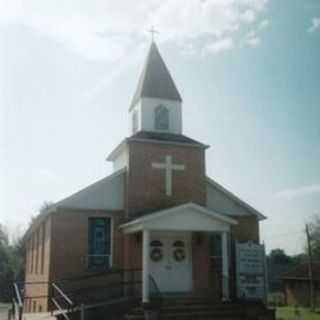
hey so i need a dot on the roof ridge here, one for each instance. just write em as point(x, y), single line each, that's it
point(155, 80)
point(164, 137)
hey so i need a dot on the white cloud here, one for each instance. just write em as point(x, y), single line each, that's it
point(46, 175)
point(249, 16)
point(253, 41)
point(108, 29)
point(315, 24)
point(264, 24)
point(220, 45)
point(252, 38)
point(299, 192)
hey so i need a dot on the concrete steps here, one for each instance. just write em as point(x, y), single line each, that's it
point(193, 308)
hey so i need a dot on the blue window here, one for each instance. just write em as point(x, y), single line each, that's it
point(99, 243)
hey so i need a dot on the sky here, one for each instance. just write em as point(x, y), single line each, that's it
point(247, 70)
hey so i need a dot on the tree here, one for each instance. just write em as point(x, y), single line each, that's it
point(278, 256)
point(278, 263)
point(3, 235)
point(314, 227)
point(6, 272)
point(12, 257)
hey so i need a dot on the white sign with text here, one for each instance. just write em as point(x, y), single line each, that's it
point(251, 279)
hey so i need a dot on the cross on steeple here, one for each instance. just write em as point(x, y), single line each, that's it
point(153, 32)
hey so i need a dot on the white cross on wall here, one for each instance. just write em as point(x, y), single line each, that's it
point(169, 167)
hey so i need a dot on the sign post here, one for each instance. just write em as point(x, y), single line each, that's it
point(251, 271)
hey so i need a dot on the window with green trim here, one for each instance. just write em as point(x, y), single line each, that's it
point(99, 255)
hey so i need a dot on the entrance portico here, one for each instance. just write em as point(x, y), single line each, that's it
point(167, 246)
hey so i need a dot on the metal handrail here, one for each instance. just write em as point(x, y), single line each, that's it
point(62, 294)
point(17, 300)
point(70, 304)
point(59, 289)
point(159, 294)
point(62, 311)
point(17, 292)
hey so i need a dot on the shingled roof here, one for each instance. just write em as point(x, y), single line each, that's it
point(165, 137)
point(155, 80)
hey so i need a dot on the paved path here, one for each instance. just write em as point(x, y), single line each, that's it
point(38, 316)
point(3, 315)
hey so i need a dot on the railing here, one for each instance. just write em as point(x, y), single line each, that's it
point(79, 293)
point(156, 295)
point(17, 302)
point(61, 301)
point(89, 291)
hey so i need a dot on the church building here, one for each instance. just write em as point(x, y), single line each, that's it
point(158, 212)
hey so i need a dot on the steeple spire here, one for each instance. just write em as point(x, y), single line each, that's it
point(155, 80)
point(153, 32)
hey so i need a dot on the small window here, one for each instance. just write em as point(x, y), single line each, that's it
point(34, 306)
point(161, 118)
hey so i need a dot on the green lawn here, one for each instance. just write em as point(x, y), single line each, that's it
point(288, 313)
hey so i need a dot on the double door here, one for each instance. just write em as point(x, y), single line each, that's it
point(171, 262)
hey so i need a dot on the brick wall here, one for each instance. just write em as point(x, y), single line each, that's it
point(146, 185)
point(201, 274)
point(247, 229)
point(38, 268)
point(70, 241)
point(65, 254)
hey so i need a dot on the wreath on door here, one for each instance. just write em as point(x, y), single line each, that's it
point(156, 254)
point(179, 254)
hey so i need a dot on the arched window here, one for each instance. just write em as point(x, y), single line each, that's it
point(161, 118)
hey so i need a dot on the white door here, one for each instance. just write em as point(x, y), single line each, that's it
point(171, 262)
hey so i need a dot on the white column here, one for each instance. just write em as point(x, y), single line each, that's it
point(225, 266)
point(145, 266)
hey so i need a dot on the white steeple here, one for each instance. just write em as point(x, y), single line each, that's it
point(156, 104)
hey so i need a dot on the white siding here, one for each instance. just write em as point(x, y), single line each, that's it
point(121, 160)
point(137, 109)
point(220, 202)
point(187, 220)
point(145, 108)
point(106, 194)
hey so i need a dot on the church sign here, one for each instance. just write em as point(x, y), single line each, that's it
point(251, 271)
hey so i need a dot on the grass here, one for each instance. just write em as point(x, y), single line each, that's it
point(288, 313)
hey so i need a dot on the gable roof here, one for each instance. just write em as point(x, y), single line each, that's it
point(182, 213)
point(105, 194)
point(234, 199)
point(155, 80)
point(301, 272)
